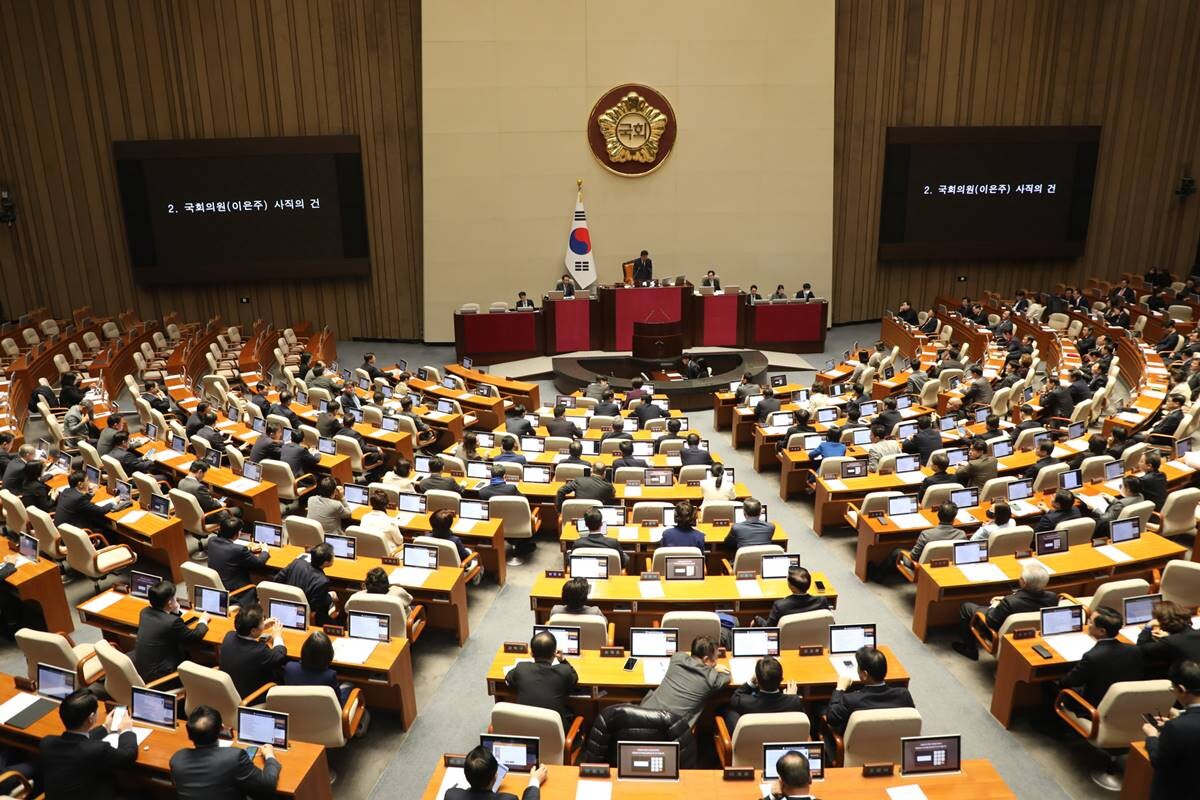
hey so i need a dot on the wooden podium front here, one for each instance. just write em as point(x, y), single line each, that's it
point(658, 341)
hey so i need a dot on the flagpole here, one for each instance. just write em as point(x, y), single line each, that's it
point(579, 188)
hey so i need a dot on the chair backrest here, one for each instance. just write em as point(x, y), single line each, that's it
point(388, 604)
point(610, 447)
point(692, 624)
point(42, 526)
point(831, 467)
point(1079, 531)
point(80, 551)
point(270, 590)
point(1180, 583)
point(447, 552)
point(280, 474)
point(750, 557)
point(1179, 512)
point(1122, 708)
point(195, 574)
point(1058, 321)
point(280, 420)
point(649, 510)
point(658, 563)
point(40, 647)
point(611, 556)
point(113, 471)
point(437, 499)
point(16, 519)
point(314, 713)
point(350, 448)
point(874, 734)
point(120, 676)
point(693, 472)
point(805, 628)
point(1025, 620)
point(593, 630)
point(434, 373)
point(370, 543)
point(575, 509)
point(1133, 456)
point(929, 393)
point(625, 474)
point(672, 448)
point(947, 376)
point(1047, 477)
point(302, 531)
point(600, 422)
point(995, 488)
point(1114, 593)
point(939, 493)
point(935, 550)
point(1092, 468)
point(146, 486)
point(568, 472)
point(187, 508)
point(755, 730)
point(1009, 542)
point(1142, 510)
point(716, 510)
point(516, 516)
point(205, 686)
point(513, 719)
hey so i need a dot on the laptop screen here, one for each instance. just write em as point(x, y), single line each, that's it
point(664, 476)
point(140, 583)
point(648, 760)
point(1125, 530)
point(516, 753)
point(368, 625)
point(956, 456)
point(849, 638)
point(389, 424)
point(854, 469)
point(355, 494)
point(473, 509)
point(160, 505)
point(1071, 480)
point(534, 473)
point(252, 471)
point(411, 502)
point(755, 642)
point(533, 444)
point(1113, 470)
point(290, 615)
point(567, 637)
point(53, 682)
point(343, 546)
point(970, 552)
point(210, 600)
point(152, 708)
point(643, 449)
point(653, 642)
point(1140, 610)
point(327, 446)
point(925, 754)
point(593, 567)
point(777, 565)
point(773, 751)
point(902, 504)
point(965, 498)
point(28, 547)
point(1062, 619)
point(268, 534)
point(907, 464)
point(420, 555)
point(1020, 490)
point(1002, 448)
point(258, 726)
point(683, 568)
point(479, 469)
point(1050, 542)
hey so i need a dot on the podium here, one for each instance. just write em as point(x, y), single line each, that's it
point(657, 341)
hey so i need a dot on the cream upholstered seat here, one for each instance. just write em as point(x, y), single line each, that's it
point(594, 631)
point(195, 522)
point(658, 561)
point(555, 745)
point(573, 509)
point(719, 510)
point(270, 590)
point(1109, 593)
point(1009, 541)
point(437, 499)
point(515, 516)
point(744, 748)
point(291, 488)
point(120, 676)
point(750, 557)
point(206, 686)
point(607, 553)
point(315, 715)
point(649, 511)
point(938, 494)
point(402, 620)
point(569, 472)
point(692, 624)
point(58, 650)
point(302, 532)
point(1178, 517)
point(873, 735)
point(1048, 477)
point(50, 543)
point(1180, 583)
point(83, 557)
point(370, 543)
point(16, 518)
point(199, 575)
point(448, 555)
point(805, 628)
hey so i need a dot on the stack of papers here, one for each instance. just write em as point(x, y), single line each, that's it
point(101, 601)
point(910, 792)
point(742, 669)
point(409, 576)
point(241, 485)
point(650, 589)
point(916, 476)
point(594, 790)
point(1114, 553)
point(140, 733)
point(656, 534)
point(907, 521)
point(1097, 503)
point(633, 491)
point(983, 573)
point(463, 526)
point(654, 669)
point(353, 651)
point(749, 588)
point(845, 665)
point(1071, 646)
point(132, 516)
point(164, 455)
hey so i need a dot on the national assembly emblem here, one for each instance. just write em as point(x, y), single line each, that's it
point(631, 130)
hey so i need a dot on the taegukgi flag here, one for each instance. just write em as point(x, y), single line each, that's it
point(579, 260)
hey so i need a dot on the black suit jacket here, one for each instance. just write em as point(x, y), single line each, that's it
point(766, 407)
point(632, 461)
point(843, 704)
point(233, 561)
point(748, 533)
point(1057, 403)
point(1154, 487)
point(518, 426)
point(563, 427)
point(1173, 756)
point(608, 410)
point(502, 489)
point(213, 437)
point(14, 474)
point(299, 458)
point(161, 638)
point(250, 664)
point(1020, 601)
point(1039, 465)
point(76, 766)
point(749, 700)
point(221, 773)
point(1169, 423)
point(1107, 663)
point(646, 412)
point(643, 270)
point(1052, 519)
point(933, 480)
point(1182, 646)
point(795, 604)
point(589, 487)
point(458, 793)
point(694, 455)
point(313, 582)
point(544, 686)
point(265, 447)
point(598, 540)
point(922, 444)
point(76, 508)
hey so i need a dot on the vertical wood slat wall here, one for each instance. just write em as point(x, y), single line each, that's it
point(1130, 66)
point(79, 74)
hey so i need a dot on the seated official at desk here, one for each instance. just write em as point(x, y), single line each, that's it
point(268, 445)
point(980, 466)
point(543, 682)
point(627, 458)
point(440, 524)
point(207, 771)
point(596, 389)
point(645, 412)
point(643, 268)
point(999, 519)
point(308, 575)
point(881, 445)
point(566, 284)
point(498, 486)
point(378, 520)
point(939, 463)
point(515, 422)
point(589, 487)
point(875, 693)
point(250, 663)
point(767, 406)
point(1169, 637)
point(801, 423)
point(508, 452)
point(795, 778)
point(691, 679)
point(593, 520)
point(750, 531)
point(798, 602)
point(692, 453)
point(1108, 662)
point(607, 407)
point(692, 368)
point(764, 694)
point(1030, 595)
point(438, 479)
point(715, 486)
point(523, 301)
point(479, 768)
point(1063, 508)
point(672, 435)
point(806, 292)
point(561, 426)
point(616, 431)
point(1172, 748)
point(683, 533)
point(832, 447)
point(75, 506)
point(944, 531)
point(575, 593)
point(924, 441)
point(78, 762)
point(710, 279)
point(162, 635)
point(400, 477)
point(746, 389)
point(315, 667)
point(328, 505)
point(232, 561)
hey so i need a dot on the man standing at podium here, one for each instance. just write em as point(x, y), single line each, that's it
point(643, 268)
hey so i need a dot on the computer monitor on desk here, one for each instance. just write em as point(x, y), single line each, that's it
point(653, 642)
point(648, 761)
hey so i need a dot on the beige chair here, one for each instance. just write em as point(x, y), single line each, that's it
point(84, 558)
point(206, 686)
point(437, 499)
point(873, 735)
point(58, 650)
point(199, 575)
point(1142, 511)
point(448, 556)
point(575, 509)
point(600, 422)
point(932, 551)
point(745, 747)
point(1048, 478)
point(50, 543)
point(1178, 517)
point(1092, 468)
point(120, 676)
point(1132, 457)
point(626, 474)
point(195, 522)
point(1079, 531)
point(649, 511)
point(359, 462)
point(996, 488)
point(16, 518)
point(147, 486)
point(302, 532)
point(1027, 437)
point(993, 641)
point(939, 493)
point(290, 487)
point(1116, 722)
point(1180, 583)
point(610, 447)
point(607, 553)
point(658, 562)
point(568, 472)
point(1110, 593)
point(719, 510)
point(1010, 541)
point(315, 715)
point(750, 557)
point(555, 745)
point(113, 472)
point(693, 472)
point(692, 624)
point(402, 618)
point(270, 590)
point(831, 467)
point(672, 448)
point(594, 632)
point(371, 544)
point(805, 628)
point(516, 518)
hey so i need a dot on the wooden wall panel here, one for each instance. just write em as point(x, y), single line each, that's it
point(1130, 66)
point(80, 74)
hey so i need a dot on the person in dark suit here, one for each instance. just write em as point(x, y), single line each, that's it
point(523, 301)
point(627, 458)
point(566, 285)
point(806, 293)
point(1030, 595)
point(441, 523)
point(924, 441)
point(589, 487)
point(801, 423)
point(162, 635)
point(872, 670)
point(1045, 454)
point(542, 682)
point(1172, 415)
point(516, 424)
point(193, 484)
point(283, 408)
point(1154, 482)
point(1172, 748)
point(372, 370)
point(711, 279)
point(765, 693)
point(78, 762)
point(153, 394)
point(195, 420)
point(672, 434)
point(561, 426)
point(593, 520)
point(1063, 509)
point(798, 602)
point(692, 369)
point(250, 663)
point(301, 459)
point(940, 464)
point(498, 487)
point(746, 389)
point(617, 431)
point(75, 506)
point(480, 767)
point(795, 777)
point(207, 771)
point(1079, 388)
point(508, 451)
point(259, 398)
point(980, 466)
point(267, 445)
point(348, 399)
point(643, 268)
point(692, 453)
point(130, 461)
point(308, 575)
point(438, 480)
point(751, 530)
point(575, 455)
point(1108, 662)
point(35, 493)
point(209, 433)
point(1057, 402)
point(767, 406)
point(233, 562)
point(607, 407)
point(889, 416)
point(1169, 637)
point(647, 411)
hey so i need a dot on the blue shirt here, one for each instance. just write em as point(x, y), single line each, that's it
point(683, 537)
point(825, 449)
point(507, 456)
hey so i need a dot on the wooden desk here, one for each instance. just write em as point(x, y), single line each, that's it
point(487, 410)
point(485, 537)
point(620, 598)
point(941, 590)
point(895, 332)
point(523, 392)
point(1139, 773)
point(40, 584)
point(386, 678)
point(640, 542)
point(978, 780)
point(444, 592)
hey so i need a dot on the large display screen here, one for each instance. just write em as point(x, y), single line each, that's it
point(982, 192)
point(204, 210)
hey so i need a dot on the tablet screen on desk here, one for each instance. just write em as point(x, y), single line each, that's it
point(327, 446)
point(140, 583)
point(1020, 490)
point(643, 449)
point(684, 568)
point(965, 498)
point(970, 552)
point(355, 494)
point(411, 502)
point(268, 534)
point(210, 601)
point(258, 726)
point(290, 615)
point(591, 567)
point(653, 642)
point(368, 625)
point(773, 751)
point(613, 515)
point(777, 565)
point(153, 708)
point(389, 424)
point(903, 504)
point(1140, 610)
point(479, 469)
point(1050, 542)
point(533, 444)
point(343, 546)
point(54, 683)
point(755, 642)
point(424, 556)
point(1062, 619)
point(473, 509)
point(28, 547)
point(566, 636)
point(849, 638)
point(648, 760)
point(924, 754)
point(517, 753)
point(1125, 530)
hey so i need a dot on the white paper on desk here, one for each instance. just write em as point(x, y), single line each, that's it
point(633, 491)
point(1129, 416)
point(916, 476)
point(627, 533)
point(741, 670)
point(656, 533)
point(510, 667)
point(1152, 393)
point(1114, 553)
point(910, 792)
point(964, 517)
point(749, 588)
point(434, 414)
point(454, 777)
point(404, 517)
point(1024, 561)
point(650, 589)
point(352, 651)
point(101, 601)
point(226, 424)
point(845, 665)
point(594, 790)
point(241, 485)
point(774, 430)
point(835, 485)
point(983, 573)
point(1116, 484)
point(744, 412)
point(18, 703)
point(133, 516)
point(1071, 646)
point(409, 576)
point(674, 461)
point(1097, 503)
point(463, 526)
point(164, 455)
point(1062, 452)
point(654, 670)
point(1132, 632)
point(1181, 466)
point(140, 733)
point(911, 521)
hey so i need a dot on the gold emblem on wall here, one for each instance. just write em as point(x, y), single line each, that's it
point(631, 130)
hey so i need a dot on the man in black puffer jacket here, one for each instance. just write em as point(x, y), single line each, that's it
point(630, 723)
